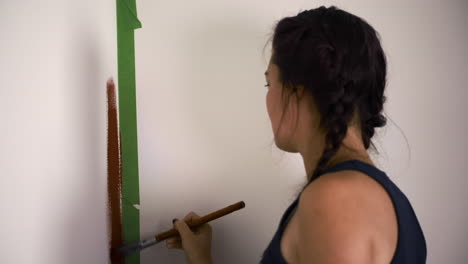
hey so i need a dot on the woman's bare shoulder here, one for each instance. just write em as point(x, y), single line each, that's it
point(351, 212)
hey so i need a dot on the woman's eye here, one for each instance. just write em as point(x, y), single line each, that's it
point(267, 85)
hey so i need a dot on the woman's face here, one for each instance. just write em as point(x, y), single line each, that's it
point(283, 130)
point(300, 121)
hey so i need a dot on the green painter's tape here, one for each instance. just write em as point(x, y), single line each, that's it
point(127, 22)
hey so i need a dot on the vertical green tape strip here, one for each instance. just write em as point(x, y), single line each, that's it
point(127, 22)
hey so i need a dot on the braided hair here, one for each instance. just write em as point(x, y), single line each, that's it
point(338, 59)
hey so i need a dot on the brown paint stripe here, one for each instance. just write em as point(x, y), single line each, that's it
point(114, 177)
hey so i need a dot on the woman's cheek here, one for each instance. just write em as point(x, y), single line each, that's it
point(268, 103)
point(271, 108)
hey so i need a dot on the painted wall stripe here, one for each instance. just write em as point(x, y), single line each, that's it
point(114, 178)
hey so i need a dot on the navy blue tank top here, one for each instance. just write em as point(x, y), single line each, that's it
point(411, 244)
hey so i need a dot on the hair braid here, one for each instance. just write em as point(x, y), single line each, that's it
point(335, 121)
point(369, 126)
point(373, 119)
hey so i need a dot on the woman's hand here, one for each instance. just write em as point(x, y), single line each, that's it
point(196, 245)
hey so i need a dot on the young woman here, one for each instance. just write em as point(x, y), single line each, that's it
point(326, 80)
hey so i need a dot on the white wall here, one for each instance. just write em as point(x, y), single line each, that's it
point(55, 58)
point(204, 133)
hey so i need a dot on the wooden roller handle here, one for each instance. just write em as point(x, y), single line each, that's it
point(202, 220)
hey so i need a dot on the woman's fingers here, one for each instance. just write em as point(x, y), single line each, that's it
point(174, 242)
point(182, 227)
point(175, 245)
point(191, 216)
point(184, 230)
point(196, 243)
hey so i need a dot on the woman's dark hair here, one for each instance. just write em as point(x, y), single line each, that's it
point(338, 59)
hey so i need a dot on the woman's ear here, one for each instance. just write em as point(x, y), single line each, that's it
point(299, 90)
